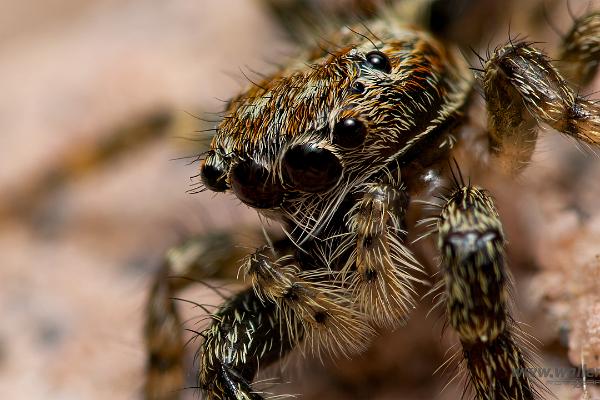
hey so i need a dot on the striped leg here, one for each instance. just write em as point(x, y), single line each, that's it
point(201, 257)
point(246, 333)
point(521, 88)
point(471, 243)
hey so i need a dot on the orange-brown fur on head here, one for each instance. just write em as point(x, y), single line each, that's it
point(424, 88)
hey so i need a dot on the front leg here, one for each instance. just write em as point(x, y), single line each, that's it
point(246, 333)
point(285, 308)
point(312, 307)
point(381, 268)
point(471, 244)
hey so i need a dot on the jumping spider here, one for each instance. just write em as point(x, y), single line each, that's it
point(336, 148)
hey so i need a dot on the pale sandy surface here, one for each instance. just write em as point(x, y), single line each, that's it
point(72, 283)
point(73, 277)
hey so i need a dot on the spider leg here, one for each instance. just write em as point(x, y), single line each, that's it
point(200, 257)
point(163, 335)
point(312, 306)
point(286, 307)
point(580, 50)
point(476, 281)
point(246, 333)
point(522, 88)
point(381, 268)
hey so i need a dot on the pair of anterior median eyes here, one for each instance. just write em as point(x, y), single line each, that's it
point(306, 167)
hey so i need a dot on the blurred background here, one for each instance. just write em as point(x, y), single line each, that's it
point(98, 107)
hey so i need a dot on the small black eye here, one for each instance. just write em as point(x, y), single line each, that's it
point(379, 61)
point(311, 169)
point(252, 184)
point(349, 133)
point(213, 173)
point(357, 87)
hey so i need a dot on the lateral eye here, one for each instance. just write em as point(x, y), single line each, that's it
point(213, 173)
point(379, 61)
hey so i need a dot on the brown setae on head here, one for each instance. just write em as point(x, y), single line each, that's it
point(319, 129)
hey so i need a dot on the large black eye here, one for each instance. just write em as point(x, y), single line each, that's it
point(213, 173)
point(379, 61)
point(252, 184)
point(349, 133)
point(311, 168)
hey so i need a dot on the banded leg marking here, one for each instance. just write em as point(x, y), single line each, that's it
point(471, 243)
point(521, 88)
point(246, 333)
point(200, 257)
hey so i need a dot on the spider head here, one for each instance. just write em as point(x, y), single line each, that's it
point(326, 126)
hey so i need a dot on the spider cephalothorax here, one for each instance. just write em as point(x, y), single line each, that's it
point(309, 131)
point(334, 147)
